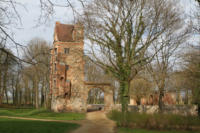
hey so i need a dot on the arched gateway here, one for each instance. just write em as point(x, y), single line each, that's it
point(108, 93)
point(69, 91)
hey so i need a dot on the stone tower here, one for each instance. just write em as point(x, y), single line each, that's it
point(67, 69)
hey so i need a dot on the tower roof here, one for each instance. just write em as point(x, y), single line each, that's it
point(64, 32)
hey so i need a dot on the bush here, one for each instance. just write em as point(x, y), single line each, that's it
point(155, 121)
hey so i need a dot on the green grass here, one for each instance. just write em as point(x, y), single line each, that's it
point(41, 114)
point(128, 130)
point(28, 126)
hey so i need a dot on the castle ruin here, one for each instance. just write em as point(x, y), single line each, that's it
point(69, 91)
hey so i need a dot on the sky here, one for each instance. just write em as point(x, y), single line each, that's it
point(30, 13)
point(30, 27)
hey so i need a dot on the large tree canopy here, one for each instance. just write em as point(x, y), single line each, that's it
point(121, 34)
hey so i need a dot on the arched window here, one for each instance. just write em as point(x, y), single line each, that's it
point(61, 79)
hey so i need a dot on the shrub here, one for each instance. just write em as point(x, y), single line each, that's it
point(155, 121)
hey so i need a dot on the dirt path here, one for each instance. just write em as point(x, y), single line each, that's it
point(96, 122)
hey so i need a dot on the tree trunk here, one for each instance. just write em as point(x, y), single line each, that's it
point(4, 91)
point(5, 83)
point(28, 96)
point(16, 93)
point(33, 95)
point(36, 94)
point(178, 96)
point(124, 89)
point(6, 94)
point(42, 98)
point(20, 97)
point(160, 102)
point(13, 96)
point(26, 92)
point(42, 94)
point(47, 101)
point(138, 101)
point(186, 97)
point(1, 86)
point(1, 98)
point(13, 91)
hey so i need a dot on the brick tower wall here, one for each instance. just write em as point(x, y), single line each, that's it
point(67, 69)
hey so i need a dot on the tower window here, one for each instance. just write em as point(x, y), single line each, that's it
point(66, 67)
point(54, 82)
point(78, 35)
point(55, 67)
point(55, 50)
point(61, 78)
point(66, 50)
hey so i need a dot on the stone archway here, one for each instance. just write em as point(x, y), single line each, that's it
point(95, 96)
point(108, 93)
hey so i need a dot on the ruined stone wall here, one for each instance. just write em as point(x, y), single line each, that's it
point(74, 75)
point(168, 99)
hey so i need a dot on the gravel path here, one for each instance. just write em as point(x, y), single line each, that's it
point(96, 122)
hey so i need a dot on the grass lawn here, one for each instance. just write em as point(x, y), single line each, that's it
point(41, 114)
point(28, 126)
point(127, 130)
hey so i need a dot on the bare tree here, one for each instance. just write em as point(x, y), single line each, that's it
point(179, 84)
point(7, 62)
point(191, 72)
point(121, 32)
point(165, 59)
point(196, 18)
point(140, 88)
point(94, 73)
point(38, 53)
point(9, 15)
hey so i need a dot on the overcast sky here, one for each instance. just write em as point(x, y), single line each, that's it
point(29, 18)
